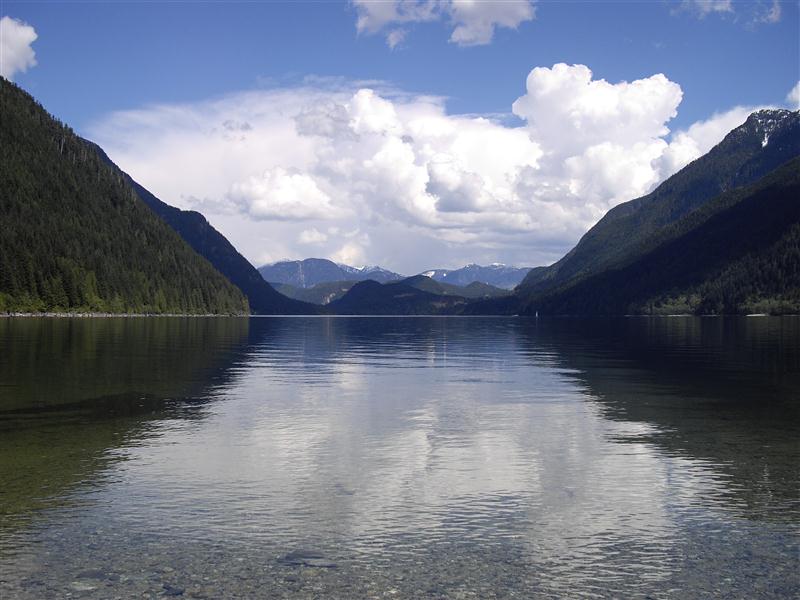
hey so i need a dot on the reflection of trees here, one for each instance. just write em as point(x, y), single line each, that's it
point(75, 389)
point(725, 392)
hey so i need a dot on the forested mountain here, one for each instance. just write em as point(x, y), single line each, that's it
point(766, 140)
point(739, 253)
point(74, 234)
point(209, 243)
point(497, 275)
point(396, 298)
point(322, 293)
point(312, 271)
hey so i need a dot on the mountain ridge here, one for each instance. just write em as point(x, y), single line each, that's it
point(76, 237)
point(739, 159)
point(209, 243)
point(738, 253)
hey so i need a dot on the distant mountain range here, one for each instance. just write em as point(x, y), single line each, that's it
point(325, 293)
point(498, 275)
point(311, 272)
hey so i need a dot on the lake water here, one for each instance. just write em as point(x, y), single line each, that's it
point(399, 458)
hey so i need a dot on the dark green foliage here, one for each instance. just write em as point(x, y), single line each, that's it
point(75, 236)
point(739, 253)
point(372, 298)
point(322, 293)
point(214, 247)
point(474, 291)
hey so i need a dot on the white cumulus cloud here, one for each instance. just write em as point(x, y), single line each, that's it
point(16, 54)
point(371, 174)
point(474, 21)
point(312, 236)
point(281, 195)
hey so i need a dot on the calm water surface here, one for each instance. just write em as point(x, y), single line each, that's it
point(399, 458)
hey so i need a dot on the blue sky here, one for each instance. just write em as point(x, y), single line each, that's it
point(96, 57)
point(101, 63)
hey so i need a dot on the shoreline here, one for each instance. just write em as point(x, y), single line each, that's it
point(100, 315)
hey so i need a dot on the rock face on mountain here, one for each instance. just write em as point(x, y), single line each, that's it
point(76, 236)
point(312, 271)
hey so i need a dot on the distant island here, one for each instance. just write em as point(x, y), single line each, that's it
point(78, 235)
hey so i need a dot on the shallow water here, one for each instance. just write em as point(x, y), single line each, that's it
point(399, 457)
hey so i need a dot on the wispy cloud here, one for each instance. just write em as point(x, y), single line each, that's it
point(748, 13)
point(473, 22)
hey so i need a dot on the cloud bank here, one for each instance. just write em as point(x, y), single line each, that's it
point(374, 174)
point(16, 54)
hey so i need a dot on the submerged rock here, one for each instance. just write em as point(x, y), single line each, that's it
point(82, 586)
point(172, 590)
point(300, 558)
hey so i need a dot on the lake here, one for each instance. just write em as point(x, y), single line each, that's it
point(399, 457)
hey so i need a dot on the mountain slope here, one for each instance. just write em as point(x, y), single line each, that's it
point(215, 247)
point(209, 243)
point(312, 271)
point(738, 253)
point(766, 140)
point(74, 235)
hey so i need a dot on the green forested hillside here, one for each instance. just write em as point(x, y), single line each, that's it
point(74, 235)
point(395, 298)
point(765, 141)
point(473, 291)
point(739, 253)
point(322, 293)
